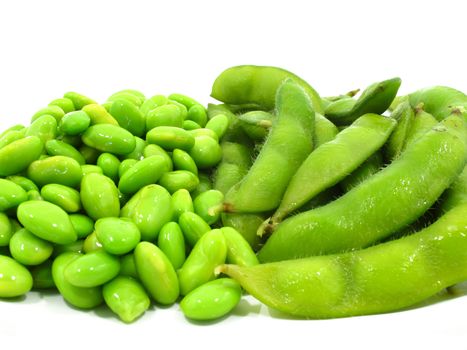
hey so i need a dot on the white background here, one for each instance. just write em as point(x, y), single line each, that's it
point(98, 47)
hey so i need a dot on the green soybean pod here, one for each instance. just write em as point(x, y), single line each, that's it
point(79, 100)
point(166, 115)
point(92, 269)
point(187, 101)
point(55, 111)
point(422, 123)
point(334, 160)
point(208, 253)
point(256, 124)
point(153, 102)
point(170, 137)
point(150, 209)
point(99, 115)
point(11, 194)
point(47, 221)
point(219, 124)
point(181, 202)
point(368, 168)
point(257, 84)
point(28, 249)
point(239, 251)
point(246, 224)
point(42, 276)
point(197, 113)
point(155, 150)
point(234, 133)
point(109, 138)
point(397, 141)
point(288, 145)
point(60, 148)
point(74, 123)
point(109, 164)
point(91, 243)
point(82, 224)
point(212, 300)
point(83, 298)
point(340, 106)
point(156, 273)
point(145, 172)
point(178, 179)
point(6, 230)
point(17, 156)
point(437, 100)
point(126, 297)
point(117, 235)
point(361, 282)
point(126, 165)
point(91, 169)
point(65, 197)
point(208, 205)
point(56, 169)
point(172, 244)
point(99, 196)
point(128, 266)
point(15, 279)
point(206, 152)
point(45, 128)
point(64, 103)
point(128, 116)
point(325, 130)
point(193, 227)
point(359, 218)
point(190, 125)
point(456, 194)
point(183, 161)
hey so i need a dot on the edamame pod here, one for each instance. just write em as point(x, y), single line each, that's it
point(17, 156)
point(331, 162)
point(386, 277)
point(397, 141)
point(156, 273)
point(456, 194)
point(422, 123)
point(47, 221)
point(212, 300)
point(83, 298)
point(405, 189)
point(438, 100)
point(126, 297)
point(324, 131)
point(15, 279)
point(370, 167)
point(145, 172)
point(289, 143)
point(99, 196)
point(109, 138)
point(208, 253)
point(55, 170)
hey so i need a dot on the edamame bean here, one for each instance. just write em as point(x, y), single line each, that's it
point(135, 97)
point(91, 243)
point(117, 236)
point(197, 113)
point(211, 300)
point(92, 269)
point(28, 249)
point(172, 244)
point(219, 124)
point(205, 184)
point(182, 107)
point(109, 164)
point(144, 172)
point(359, 217)
point(57, 169)
point(99, 115)
point(156, 273)
point(74, 123)
point(166, 115)
point(15, 279)
point(128, 116)
point(83, 298)
point(137, 153)
point(126, 165)
point(11, 136)
point(193, 227)
point(74, 247)
point(208, 253)
point(42, 276)
point(109, 138)
point(54, 111)
point(126, 297)
point(155, 150)
point(65, 197)
point(153, 102)
point(239, 251)
point(64, 103)
point(17, 156)
point(128, 266)
point(47, 221)
point(60, 148)
point(91, 169)
point(235, 132)
point(11, 195)
point(170, 137)
point(206, 152)
point(188, 102)
point(24, 182)
point(79, 100)
point(82, 224)
point(182, 202)
point(362, 282)
point(284, 150)
point(190, 125)
point(6, 230)
point(183, 161)
point(208, 205)
point(45, 128)
point(150, 208)
point(178, 179)
point(204, 132)
point(99, 196)
point(246, 224)
point(34, 195)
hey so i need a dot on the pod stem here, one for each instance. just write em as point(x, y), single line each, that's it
point(228, 207)
point(216, 209)
point(352, 93)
